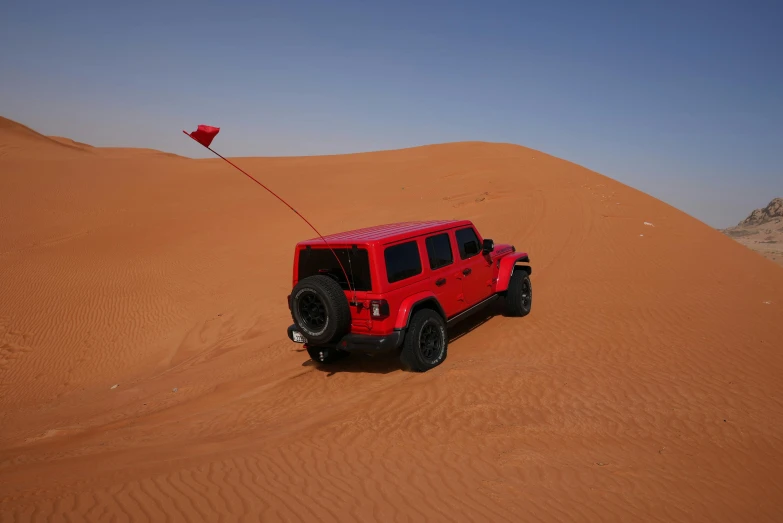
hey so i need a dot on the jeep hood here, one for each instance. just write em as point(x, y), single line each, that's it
point(501, 249)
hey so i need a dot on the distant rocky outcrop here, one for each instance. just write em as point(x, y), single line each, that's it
point(765, 214)
point(762, 231)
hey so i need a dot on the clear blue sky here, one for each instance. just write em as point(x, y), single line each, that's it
point(683, 100)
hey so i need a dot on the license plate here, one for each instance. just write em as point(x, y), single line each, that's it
point(298, 338)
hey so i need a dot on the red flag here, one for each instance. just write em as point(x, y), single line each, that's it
point(204, 134)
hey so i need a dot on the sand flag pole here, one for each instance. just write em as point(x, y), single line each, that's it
point(204, 135)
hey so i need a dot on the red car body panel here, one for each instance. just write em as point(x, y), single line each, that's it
point(404, 310)
point(505, 268)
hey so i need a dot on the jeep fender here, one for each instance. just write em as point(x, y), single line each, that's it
point(404, 312)
point(506, 269)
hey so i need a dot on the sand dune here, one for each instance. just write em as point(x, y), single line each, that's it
point(644, 386)
point(72, 143)
point(19, 141)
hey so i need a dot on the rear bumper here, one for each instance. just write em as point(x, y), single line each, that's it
point(362, 342)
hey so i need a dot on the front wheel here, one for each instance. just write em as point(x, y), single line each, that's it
point(519, 297)
point(426, 343)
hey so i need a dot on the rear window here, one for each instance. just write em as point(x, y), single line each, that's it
point(439, 251)
point(402, 261)
point(322, 261)
point(468, 243)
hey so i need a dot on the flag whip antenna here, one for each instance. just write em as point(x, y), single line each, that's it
point(204, 135)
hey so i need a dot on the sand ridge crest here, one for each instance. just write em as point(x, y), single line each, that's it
point(20, 141)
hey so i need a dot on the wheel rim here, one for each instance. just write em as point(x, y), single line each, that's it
point(430, 342)
point(527, 294)
point(312, 312)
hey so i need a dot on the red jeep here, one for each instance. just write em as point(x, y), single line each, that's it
point(406, 283)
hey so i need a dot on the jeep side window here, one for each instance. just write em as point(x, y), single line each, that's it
point(439, 251)
point(468, 243)
point(402, 261)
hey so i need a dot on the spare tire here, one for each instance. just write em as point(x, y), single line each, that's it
point(320, 309)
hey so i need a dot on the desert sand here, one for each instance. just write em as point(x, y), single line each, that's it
point(145, 373)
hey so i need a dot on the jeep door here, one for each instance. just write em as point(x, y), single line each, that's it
point(475, 268)
point(445, 276)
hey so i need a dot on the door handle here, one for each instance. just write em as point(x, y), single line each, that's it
point(440, 282)
point(467, 271)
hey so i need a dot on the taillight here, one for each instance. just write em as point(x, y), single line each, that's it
point(379, 308)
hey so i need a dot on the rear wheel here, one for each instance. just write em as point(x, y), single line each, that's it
point(320, 309)
point(519, 297)
point(426, 342)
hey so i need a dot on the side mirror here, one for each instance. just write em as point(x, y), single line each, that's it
point(488, 246)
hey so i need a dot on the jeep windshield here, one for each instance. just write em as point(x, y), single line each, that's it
point(321, 260)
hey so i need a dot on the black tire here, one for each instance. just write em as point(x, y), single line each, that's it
point(326, 354)
point(519, 297)
point(426, 343)
point(320, 309)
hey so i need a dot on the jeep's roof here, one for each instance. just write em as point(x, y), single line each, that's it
point(387, 233)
